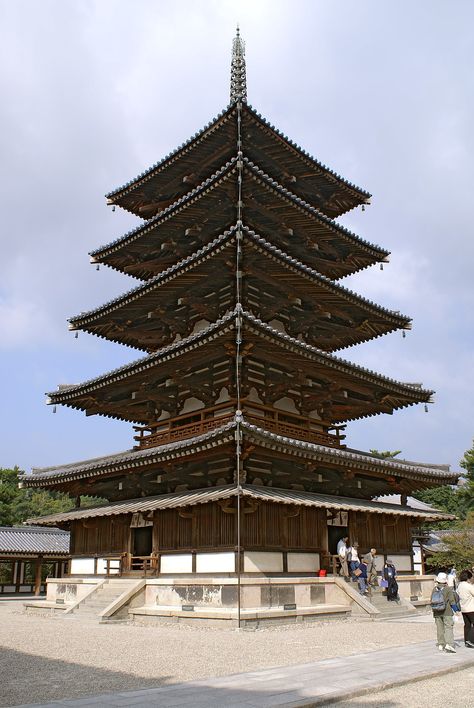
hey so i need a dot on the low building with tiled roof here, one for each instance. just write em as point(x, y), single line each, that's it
point(28, 555)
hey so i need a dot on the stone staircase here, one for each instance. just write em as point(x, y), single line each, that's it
point(390, 610)
point(91, 607)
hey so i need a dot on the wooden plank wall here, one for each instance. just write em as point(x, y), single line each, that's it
point(267, 526)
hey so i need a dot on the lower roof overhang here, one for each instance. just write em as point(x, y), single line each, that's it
point(264, 494)
point(135, 460)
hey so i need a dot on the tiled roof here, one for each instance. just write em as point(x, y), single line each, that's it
point(131, 459)
point(214, 179)
point(348, 456)
point(68, 393)
point(214, 247)
point(161, 164)
point(165, 214)
point(172, 272)
point(284, 192)
point(320, 165)
point(30, 540)
point(411, 501)
point(197, 137)
point(210, 494)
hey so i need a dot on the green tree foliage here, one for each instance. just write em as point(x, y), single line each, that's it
point(459, 547)
point(445, 498)
point(467, 491)
point(17, 505)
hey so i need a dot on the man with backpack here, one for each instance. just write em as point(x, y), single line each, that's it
point(442, 600)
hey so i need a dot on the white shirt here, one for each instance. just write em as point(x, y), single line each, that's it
point(354, 555)
point(466, 595)
point(341, 549)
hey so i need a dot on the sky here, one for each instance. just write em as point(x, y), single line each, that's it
point(95, 91)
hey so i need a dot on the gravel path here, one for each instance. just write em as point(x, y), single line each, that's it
point(44, 658)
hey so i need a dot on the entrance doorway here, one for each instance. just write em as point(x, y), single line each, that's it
point(335, 533)
point(142, 541)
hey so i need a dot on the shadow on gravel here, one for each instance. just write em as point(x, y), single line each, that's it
point(26, 678)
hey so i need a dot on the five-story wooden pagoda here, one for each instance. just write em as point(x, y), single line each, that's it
point(239, 404)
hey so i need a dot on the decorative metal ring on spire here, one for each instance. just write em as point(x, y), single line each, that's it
point(238, 77)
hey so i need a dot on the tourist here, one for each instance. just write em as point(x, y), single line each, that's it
point(390, 577)
point(342, 552)
point(369, 560)
point(354, 561)
point(452, 579)
point(442, 597)
point(466, 598)
point(362, 579)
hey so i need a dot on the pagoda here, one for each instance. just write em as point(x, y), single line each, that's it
point(239, 467)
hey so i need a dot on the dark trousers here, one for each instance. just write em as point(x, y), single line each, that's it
point(468, 618)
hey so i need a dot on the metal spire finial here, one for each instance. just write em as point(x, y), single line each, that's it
point(238, 78)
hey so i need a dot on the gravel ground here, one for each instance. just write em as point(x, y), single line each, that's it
point(44, 658)
point(449, 691)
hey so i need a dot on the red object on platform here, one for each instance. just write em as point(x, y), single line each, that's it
point(322, 573)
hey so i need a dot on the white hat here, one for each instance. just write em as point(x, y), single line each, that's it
point(442, 578)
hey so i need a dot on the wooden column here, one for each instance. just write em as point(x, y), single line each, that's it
point(38, 564)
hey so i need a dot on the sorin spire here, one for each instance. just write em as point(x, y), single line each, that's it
point(238, 78)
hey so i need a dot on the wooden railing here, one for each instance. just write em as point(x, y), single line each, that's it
point(189, 425)
point(145, 565)
point(185, 426)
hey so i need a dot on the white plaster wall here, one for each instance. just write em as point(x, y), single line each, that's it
point(223, 396)
point(191, 404)
point(215, 562)
point(182, 563)
point(263, 562)
point(102, 566)
point(303, 562)
point(401, 562)
point(82, 566)
point(253, 396)
point(286, 404)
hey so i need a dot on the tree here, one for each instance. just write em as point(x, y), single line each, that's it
point(445, 498)
point(17, 505)
point(458, 548)
point(466, 493)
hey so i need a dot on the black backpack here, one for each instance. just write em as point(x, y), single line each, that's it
point(438, 600)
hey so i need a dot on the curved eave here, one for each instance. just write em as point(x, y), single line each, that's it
point(85, 320)
point(342, 365)
point(345, 457)
point(404, 394)
point(374, 252)
point(361, 195)
point(115, 195)
point(130, 461)
point(102, 252)
point(378, 253)
point(357, 194)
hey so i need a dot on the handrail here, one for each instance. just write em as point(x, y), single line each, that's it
point(205, 419)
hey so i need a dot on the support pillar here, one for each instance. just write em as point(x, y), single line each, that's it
point(38, 565)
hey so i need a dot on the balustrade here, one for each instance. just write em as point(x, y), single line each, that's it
point(189, 425)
